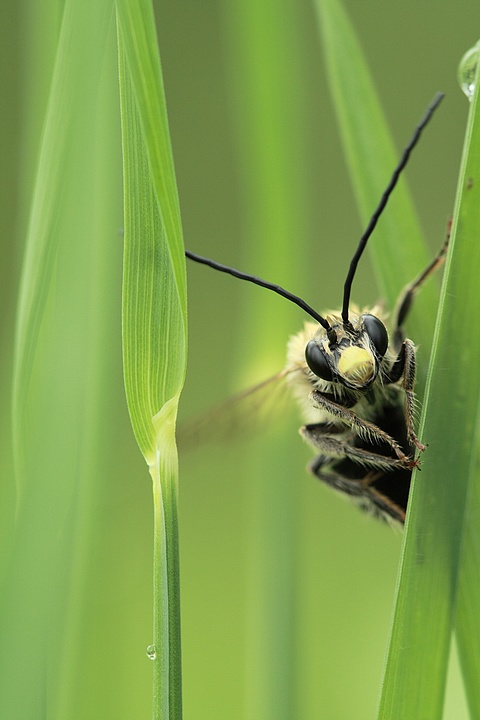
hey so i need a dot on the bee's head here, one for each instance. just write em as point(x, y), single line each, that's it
point(349, 353)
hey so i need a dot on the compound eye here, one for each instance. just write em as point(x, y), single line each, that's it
point(317, 362)
point(377, 333)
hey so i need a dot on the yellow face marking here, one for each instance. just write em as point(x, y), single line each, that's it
point(356, 365)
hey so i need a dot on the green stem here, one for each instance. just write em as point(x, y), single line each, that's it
point(167, 671)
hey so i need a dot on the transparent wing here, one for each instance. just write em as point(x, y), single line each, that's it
point(241, 414)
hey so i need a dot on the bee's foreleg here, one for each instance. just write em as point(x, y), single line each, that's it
point(363, 428)
point(338, 449)
point(404, 367)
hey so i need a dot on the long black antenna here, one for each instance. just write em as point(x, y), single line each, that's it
point(381, 206)
point(358, 253)
point(263, 283)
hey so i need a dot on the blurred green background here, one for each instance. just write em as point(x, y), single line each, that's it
point(332, 585)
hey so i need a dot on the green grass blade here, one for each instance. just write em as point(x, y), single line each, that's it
point(153, 298)
point(468, 600)
point(397, 247)
point(154, 321)
point(269, 124)
point(58, 366)
point(418, 653)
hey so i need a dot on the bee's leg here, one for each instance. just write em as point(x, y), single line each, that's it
point(364, 429)
point(404, 365)
point(405, 300)
point(320, 437)
point(362, 491)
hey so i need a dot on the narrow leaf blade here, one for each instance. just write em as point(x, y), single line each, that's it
point(419, 647)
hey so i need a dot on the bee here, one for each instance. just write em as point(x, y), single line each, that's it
point(355, 383)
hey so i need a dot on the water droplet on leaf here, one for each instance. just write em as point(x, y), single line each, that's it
point(151, 652)
point(467, 71)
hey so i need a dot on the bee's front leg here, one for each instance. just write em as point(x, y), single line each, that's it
point(321, 436)
point(404, 367)
point(363, 428)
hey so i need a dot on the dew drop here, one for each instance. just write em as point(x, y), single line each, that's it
point(467, 71)
point(151, 652)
